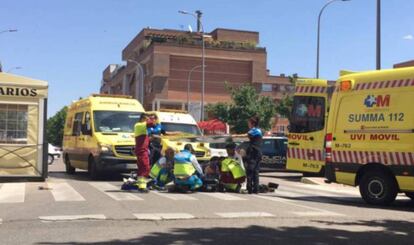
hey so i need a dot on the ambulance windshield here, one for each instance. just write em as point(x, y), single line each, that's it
point(308, 114)
point(115, 121)
point(181, 127)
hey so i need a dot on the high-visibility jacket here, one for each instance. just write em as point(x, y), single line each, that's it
point(183, 167)
point(140, 129)
point(233, 166)
point(155, 170)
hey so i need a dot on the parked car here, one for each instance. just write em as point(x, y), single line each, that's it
point(53, 153)
point(274, 150)
point(217, 144)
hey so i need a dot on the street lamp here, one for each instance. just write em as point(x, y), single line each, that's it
point(10, 30)
point(188, 86)
point(200, 29)
point(378, 51)
point(14, 68)
point(319, 25)
point(139, 86)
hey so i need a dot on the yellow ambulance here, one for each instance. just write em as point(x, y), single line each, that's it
point(370, 134)
point(181, 129)
point(307, 126)
point(99, 134)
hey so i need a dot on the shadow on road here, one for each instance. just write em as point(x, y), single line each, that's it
point(397, 205)
point(361, 232)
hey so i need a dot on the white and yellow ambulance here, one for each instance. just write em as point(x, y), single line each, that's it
point(99, 134)
point(370, 134)
point(181, 129)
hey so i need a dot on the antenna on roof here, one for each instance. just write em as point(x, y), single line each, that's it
point(190, 28)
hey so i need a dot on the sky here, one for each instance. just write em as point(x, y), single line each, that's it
point(70, 42)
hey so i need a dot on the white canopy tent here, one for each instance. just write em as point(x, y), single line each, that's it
point(23, 147)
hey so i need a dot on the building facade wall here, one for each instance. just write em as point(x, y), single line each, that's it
point(168, 56)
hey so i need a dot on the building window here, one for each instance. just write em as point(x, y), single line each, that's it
point(13, 124)
point(266, 87)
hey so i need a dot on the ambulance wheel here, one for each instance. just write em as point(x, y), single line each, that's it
point(69, 168)
point(92, 169)
point(410, 195)
point(378, 188)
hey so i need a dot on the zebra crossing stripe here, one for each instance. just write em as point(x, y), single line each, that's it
point(12, 192)
point(63, 192)
point(325, 213)
point(163, 216)
point(114, 192)
point(223, 196)
point(176, 196)
point(293, 203)
point(244, 214)
point(73, 217)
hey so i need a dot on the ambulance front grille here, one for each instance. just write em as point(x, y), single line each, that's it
point(127, 150)
point(200, 153)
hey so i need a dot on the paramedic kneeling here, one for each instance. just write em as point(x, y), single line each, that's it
point(162, 170)
point(187, 170)
point(232, 172)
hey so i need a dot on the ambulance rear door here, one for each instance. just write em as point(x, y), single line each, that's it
point(308, 126)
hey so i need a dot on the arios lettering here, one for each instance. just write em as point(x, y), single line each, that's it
point(25, 92)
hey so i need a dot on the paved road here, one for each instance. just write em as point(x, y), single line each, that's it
point(74, 210)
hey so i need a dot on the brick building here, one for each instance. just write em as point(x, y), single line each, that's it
point(167, 57)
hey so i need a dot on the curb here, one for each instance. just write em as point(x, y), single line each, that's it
point(310, 181)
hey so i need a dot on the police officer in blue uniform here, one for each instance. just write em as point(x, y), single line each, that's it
point(253, 155)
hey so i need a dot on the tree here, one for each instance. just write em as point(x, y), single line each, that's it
point(285, 105)
point(246, 102)
point(55, 127)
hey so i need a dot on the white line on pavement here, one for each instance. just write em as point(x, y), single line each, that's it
point(286, 193)
point(244, 214)
point(325, 213)
point(292, 203)
point(1, 221)
point(114, 192)
point(12, 192)
point(176, 196)
point(73, 217)
point(63, 192)
point(163, 216)
point(223, 196)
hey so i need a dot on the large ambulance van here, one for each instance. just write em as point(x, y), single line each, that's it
point(307, 126)
point(181, 129)
point(370, 134)
point(99, 134)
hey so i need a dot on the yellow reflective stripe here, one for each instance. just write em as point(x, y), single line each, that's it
point(155, 171)
point(225, 165)
point(232, 187)
point(183, 169)
point(140, 129)
point(237, 171)
point(231, 165)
